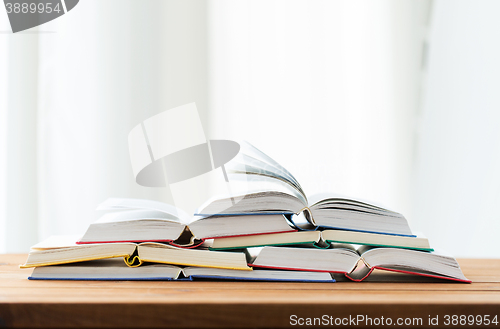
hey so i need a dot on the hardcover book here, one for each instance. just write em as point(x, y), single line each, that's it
point(115, 269)
point(322, 239)
point(358, 264)
point(271, 189)
point(63, 250)
point(137, 220)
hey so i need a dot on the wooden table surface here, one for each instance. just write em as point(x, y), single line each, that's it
point(126, 304)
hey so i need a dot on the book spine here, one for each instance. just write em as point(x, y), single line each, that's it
point(359, 278)
point(190, 246)
point(133, 260)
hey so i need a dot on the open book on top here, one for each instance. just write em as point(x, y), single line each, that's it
point(271, 189)
point(138, 220)
point(358, 264)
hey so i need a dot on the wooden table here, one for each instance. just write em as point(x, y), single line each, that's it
point(124, 304)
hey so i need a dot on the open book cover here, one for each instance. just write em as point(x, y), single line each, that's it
point(115, 269)
point(357, 264)
point(268, 188)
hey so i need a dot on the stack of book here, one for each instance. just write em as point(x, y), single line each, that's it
point(271, 234)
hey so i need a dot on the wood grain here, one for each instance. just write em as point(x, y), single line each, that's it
point(206, 304)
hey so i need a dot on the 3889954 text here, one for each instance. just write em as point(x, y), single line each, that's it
point(470, 320)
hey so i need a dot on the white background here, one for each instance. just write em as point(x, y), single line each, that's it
point(393, 101)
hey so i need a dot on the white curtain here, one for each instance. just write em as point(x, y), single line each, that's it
point(456, 186)
point(4, 26)
point(392, 101)
point(330, 89)
point(75, 90)
point(19, 116)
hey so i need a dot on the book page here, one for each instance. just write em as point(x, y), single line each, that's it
point(252, 161)
point(127, 203)
point(414, 261)
point(324, 197)
point(136, 214)
point(250, 165)
point(258, 184)
point(266, 202)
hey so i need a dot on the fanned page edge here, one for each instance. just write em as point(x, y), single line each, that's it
point(261, 156)
point(247, 169)
point(279, 173)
